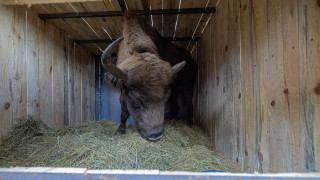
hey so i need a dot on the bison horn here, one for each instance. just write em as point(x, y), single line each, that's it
point(108, 65)
point(176, 68)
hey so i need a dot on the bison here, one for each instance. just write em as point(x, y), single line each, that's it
point(155, 77)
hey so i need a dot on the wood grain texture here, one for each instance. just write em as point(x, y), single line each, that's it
point(264, 99)
point(77, 84)
point(39, 72)
point(169, 21)
point(111, 27)
point(87, 88)
point(18, 60)
point(45, 72)
point(157, 20)
point(187, 23)
point(107, 27)
point(58, 59)
point(72, 96)
point(77, 28)
point(32, 66)
point(197, 118)
point(6, 77)
point(29, 2)
point(309, 51)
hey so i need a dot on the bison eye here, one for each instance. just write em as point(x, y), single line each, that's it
point(135, 105)
point(142, 50)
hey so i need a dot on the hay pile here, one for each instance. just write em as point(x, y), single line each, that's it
point(93, 145)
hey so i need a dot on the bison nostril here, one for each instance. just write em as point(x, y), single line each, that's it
point(152, 136)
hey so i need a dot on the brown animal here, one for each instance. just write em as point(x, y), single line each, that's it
point(141, 75)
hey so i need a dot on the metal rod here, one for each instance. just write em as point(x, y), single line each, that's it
point(111, 40)
point(120, 13)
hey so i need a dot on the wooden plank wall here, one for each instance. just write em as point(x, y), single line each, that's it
point(259, 84)
point(42, 72)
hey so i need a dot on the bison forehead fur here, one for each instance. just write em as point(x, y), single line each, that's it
point(151, 78)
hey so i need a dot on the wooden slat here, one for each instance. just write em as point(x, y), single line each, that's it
point(77, 84)
point(29, 2)
point(72, 110)
point(45, 72)
point(199, 61)
point(202, 23)
point(204, 96)
point(112, 5)
point(58, 59)
point(247, 91)
point(282, 86)
point(88, 26)
point(32, 40)
point(112, 25)
point(213, 74)
point(207, 58)
point(234, 77)
point(76, 28)
point(309, 55)
point(6, 73)
point(91, 84)
point(187, 23)
point(93, 23)
point(183, 20)
point(135, 5)
point(19, 81)
point(78, 24)
point(169, 21)
point(195, 89)
point(157, 19)
point(204, 19)
point(60, 23)
point(219, 51)
point(260, 77)
point(66, 57)
point(84, 79)
point(85, 64)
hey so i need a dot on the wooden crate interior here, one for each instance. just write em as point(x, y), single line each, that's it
point(258, 86)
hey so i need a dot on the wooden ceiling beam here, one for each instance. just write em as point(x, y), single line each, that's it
point(32, 2)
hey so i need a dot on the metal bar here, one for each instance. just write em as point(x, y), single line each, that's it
point(111, 40)
point(120, 13)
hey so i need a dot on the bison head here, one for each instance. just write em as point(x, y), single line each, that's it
point(143, 77)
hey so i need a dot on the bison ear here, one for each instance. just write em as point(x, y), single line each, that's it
point(176, 68)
